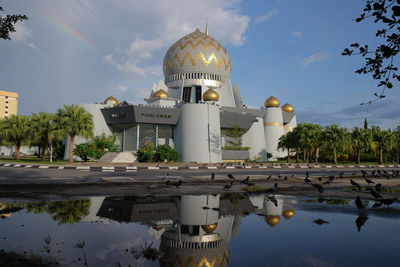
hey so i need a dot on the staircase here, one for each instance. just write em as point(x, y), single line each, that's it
point(119, 157)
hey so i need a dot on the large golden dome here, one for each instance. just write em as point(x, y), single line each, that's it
point(209, 228)
point(287, 108)
point(288, 213)
point(113, 99)
point(197, 56)
point(272, 220)
point(210, 95)
point(160, 94)
point(272, 102)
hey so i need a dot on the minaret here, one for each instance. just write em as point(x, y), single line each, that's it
point(289, 117)
point(273, 127)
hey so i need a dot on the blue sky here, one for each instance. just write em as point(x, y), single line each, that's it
point(86, 50)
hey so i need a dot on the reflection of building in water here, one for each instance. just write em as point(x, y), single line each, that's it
point(272, 211)
point(194, 230)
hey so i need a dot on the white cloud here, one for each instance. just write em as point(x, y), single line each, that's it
point(315, 58)
point(22, 34)
point(297, 34)
point(265, 17)
point(122, 88)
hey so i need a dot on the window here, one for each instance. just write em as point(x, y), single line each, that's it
point(198, 94)
point(186, 94)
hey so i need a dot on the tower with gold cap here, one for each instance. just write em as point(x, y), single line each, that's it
point(273, 127)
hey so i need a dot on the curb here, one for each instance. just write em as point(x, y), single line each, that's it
point(135, 168)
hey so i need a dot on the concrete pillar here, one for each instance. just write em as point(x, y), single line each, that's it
point(273, 130)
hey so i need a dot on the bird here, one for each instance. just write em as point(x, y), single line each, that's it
point(307, 174)
point(359, 203)
point(269, 177)
point(168, 182)
point(331, 178)
point(273, 200)
point(212, 176)
point(378, 187)
point(251, 184)
point(327, 182)
point(355, 184)
point(245, 181)
point(286, 178)
point(341, 174)
point(318, 187)
point(151, 187)
point(379, 172)
point(364, 173)
point(228, 186)
point(307, 180)
point(275, 188)
point(373, 173)
point(375, 194)
point(231, 176)
point(178, 184)
point(165, 177)
point(369, 181)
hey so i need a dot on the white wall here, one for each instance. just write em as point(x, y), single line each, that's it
point(255, 139)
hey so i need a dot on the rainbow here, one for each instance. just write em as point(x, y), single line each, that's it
point(68, 29)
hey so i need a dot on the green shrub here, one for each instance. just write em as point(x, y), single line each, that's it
point(235, 148)
point(105, 142)
point(88, 151)
point(146, 153)
point(165, 152)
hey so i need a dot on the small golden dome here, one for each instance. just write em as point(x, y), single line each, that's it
point(288, 213)
point(209, 228)
point(113, 99)
point(272, 220)
point(272, 102)
point(287, 108)
point(160, 94)
point(210, 95)
point(157, 228)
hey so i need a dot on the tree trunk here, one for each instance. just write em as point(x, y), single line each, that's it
point(51, 152)
point(17, 151)
point(316, 155)
point(71, 147)
point(380, 155)
point(334, 156)
point(358, 156)
point(297, 156)
point(288, 155)
point(304, 155)
point(43, 155)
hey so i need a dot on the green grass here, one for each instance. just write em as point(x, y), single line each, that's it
point(256, 189)
point(32, 160)
point(328, 201)
point(367, 188)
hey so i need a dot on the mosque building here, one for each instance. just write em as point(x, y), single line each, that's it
point(193, 107)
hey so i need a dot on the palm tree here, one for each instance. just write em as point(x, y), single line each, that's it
point(383, 140)
point(16, 131)
point(315, 139)
point(74, 121)
point(287, 142)
point(44, 128)
point(361, 140)
point(335, 138)
point(396, 135)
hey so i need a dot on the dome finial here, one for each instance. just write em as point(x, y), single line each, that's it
point(207, 29)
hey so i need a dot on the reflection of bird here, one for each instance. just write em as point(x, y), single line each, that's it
point(307, 180)
point(355, 184)
point(369, 181)
point(228, 186)
point(212, 176)
point(205, 208)
point(378, 187)
point(377, 204)
point(231, 176)
point(245, 181)
point(320, 221)
point(387, 201)
point(318, 187)
point(359, 203)
point(274, 188)
point(273, 199)
point(360, 221)
point(375, 194)
point(364, 173)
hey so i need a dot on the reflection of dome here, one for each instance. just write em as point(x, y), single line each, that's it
point(113, 99)
point(199, 56)
point(287, 108)
point(209, 228)
point(160, 94)
point(272, 220)
point(288, 213)
point(5, 215)
point(157, 228)
point(210, 95)
point(272, 102)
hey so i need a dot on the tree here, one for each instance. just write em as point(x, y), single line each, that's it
point(287, 142)
point(16, 131)
point(74, 121)
point(383, 140)
point(365, 123)
point(335, 138)
point(235, 137)
point(45, 130)
point(381, 61)
point(315, 140)
point(7, 24)
point(361, 140)
point(396, 137)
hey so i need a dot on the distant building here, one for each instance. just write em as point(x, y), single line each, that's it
point(8, 104)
